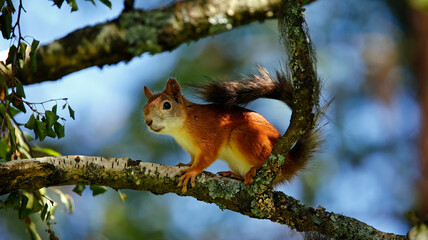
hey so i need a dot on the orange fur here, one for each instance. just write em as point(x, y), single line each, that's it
point(241, 137)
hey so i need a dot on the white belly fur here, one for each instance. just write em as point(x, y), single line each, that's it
point(236, 161)
point(185, 142)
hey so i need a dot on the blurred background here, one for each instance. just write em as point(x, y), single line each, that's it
point(371, 60)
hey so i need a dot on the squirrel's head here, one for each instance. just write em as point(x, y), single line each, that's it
point(164, 112)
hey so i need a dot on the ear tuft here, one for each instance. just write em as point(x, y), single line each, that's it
point(172, 87)
point(147, 92)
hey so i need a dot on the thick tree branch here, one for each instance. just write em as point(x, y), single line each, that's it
point(136, 32)
point(306, 88)
point(124, 173)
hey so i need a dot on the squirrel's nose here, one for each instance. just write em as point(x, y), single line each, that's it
point(149, 122)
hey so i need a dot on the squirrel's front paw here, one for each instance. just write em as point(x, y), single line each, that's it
point(188, 174)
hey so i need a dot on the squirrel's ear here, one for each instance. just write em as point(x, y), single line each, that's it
point(172, 87)
point(147, 92)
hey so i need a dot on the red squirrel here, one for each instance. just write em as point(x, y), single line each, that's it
point(224, 130)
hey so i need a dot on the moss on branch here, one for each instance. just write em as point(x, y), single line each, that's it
point(124, 173)
point(135, 32)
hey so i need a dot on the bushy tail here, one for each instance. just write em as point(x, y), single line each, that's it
point(261, 85)
point(303, 150)
point(264, 85)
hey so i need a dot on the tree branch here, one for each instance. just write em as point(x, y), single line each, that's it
point(135, 32)
point(124, 173)
point(306, 89)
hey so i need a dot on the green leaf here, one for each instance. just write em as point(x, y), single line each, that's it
point(36, 206)
point(19, 105)
point(47, 151)
point(34, 45)
point(2, 2)
point(97, 190)
point(33, 58)
point(19, 89)
point(59, 130)
point(6, 23)
point(51, 118)
point(23, 210)
point(122, 196)
point(63, 106)
point(44, 211)
point(22, 50)
point(64, 199)
point(58, 3)
point(28, 137)
point(13, 111)
point(33, 62)
point(73, 5)
point(13, 200)
point(79, 189)
point(106, 2)
point(51, 133)
point(12, 138)
point(10, 5)
point(3, 150)
point(11, 55)
point(41, 130)
point(54, 108)
point(71, 111)
point(31, 124)
point(2, 80)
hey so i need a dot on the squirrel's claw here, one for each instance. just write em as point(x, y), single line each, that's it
point(248, 179)
point(189, 174)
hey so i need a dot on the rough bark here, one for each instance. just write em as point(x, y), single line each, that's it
point(135, 32)
point(302, 69)
point(124, 173)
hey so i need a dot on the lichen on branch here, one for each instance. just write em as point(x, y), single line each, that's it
point(301, 68)
point(135, 32)
point(227, 193)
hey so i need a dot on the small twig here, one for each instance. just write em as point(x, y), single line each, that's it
point(51, 100)
point(19, 39)
point(32, 105)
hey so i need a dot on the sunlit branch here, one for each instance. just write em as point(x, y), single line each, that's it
point(124, 173)
point(135, 32)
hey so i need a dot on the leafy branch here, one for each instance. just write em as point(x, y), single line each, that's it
point(14, 144)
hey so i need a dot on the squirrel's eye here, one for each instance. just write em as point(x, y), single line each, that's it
point(166, 105)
